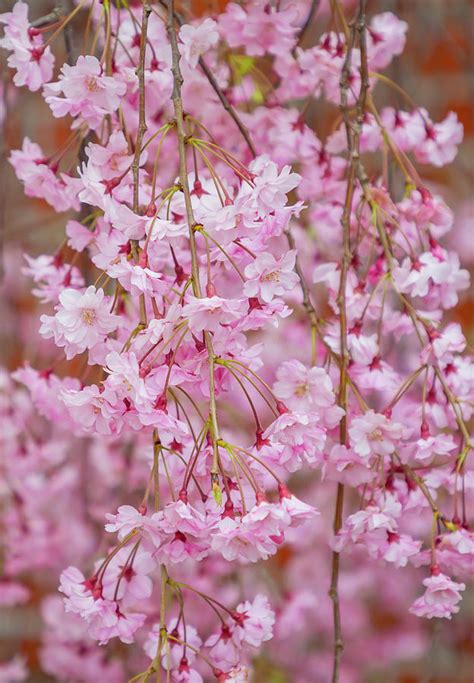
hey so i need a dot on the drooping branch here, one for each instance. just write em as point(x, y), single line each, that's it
point(183, 178)
point(353, 131)
point(142, 127)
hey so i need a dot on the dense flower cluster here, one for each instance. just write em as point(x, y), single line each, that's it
point(208, 374)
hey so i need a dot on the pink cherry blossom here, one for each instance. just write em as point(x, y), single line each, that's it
point(32, 60)
point(197, 40)
point(210, 313)
point(84, 90)
point(255, 621)
point(82, 320)
point(374, 434)
point(440, 598)
point(268, 277)
point(386, 39)
point(440, 144)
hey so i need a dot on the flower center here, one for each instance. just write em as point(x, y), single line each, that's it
point(91, 84)
point(88, 316)
point(376, 435)
point(301, 390)
point(272, 277)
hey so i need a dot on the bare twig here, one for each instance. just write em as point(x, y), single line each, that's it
point(50, 18)
point(307, 303)
point(142, 127)
point(221, 95)
point(353, 131)
point(227, 106)
point(183, 177)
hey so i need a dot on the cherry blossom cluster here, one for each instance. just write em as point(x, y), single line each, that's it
point(239, 310)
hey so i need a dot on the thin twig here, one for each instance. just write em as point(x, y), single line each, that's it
point(353, 131)
point(221, 95)
point(196, 284)
point(50, 18)
point(142, 127)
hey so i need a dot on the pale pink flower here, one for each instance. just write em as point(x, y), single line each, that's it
point(406, 129)
point(79, 237)
point(110, 622)
point(184, 530)
point(268, 277)
point(128, 519)
point(32, 60)
point(82, 320)
point(454, 552)
point(176, 650)
point(427, 446)
point(440, 144)
point(374, 434)
point(50, 276)
point(224, 651)
point(91, 409)
point(34, 66)
point(370, 527)
point(400, 547)
point(345, 466)
point(126, 381)
point(209, 313)
point(303, 388)
point(83, 90)
point(297, 510)
point(448, 343)
point(386, 37)
point(112, 159)
point(302, 436)
point(104, 617)
point(127, 581)
point(256, 536)
point(271, 186)
point(437, 275)
point(254, 621)
point(440, 598)
point(197, 39)
point(260, 28)
point(40, 180)
point(79, 598)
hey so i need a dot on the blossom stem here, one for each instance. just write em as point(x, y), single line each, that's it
point(196, 284)
point(64, 23)
point(353, 131)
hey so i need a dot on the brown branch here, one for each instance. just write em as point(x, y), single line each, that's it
point(307, 303)
point(227, 106)
point(353, 131)
point(142, 127)
point(50, 18)
point(196, 284)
